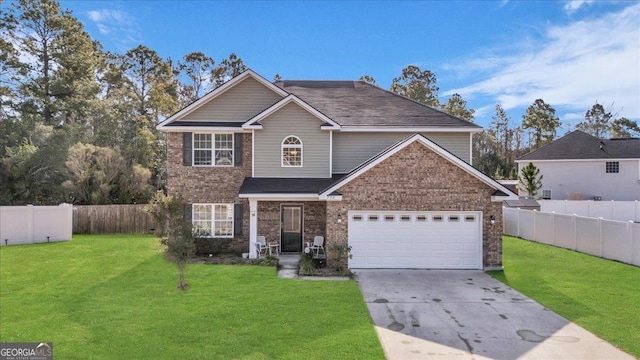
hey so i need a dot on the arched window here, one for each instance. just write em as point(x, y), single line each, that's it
point(292, 152)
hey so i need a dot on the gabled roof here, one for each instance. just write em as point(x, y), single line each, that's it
point(358, 104)
point(501, 191)
point(169, 122)
point(344, 105)
point(578, 145)
point(254, 123)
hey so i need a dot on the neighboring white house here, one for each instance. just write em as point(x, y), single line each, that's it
point(579, 166)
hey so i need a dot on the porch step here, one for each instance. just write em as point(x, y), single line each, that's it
point(288, 266)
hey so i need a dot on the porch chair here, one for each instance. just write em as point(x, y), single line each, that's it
point(317, 245)
point(261, 246)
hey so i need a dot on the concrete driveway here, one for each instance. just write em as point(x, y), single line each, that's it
point(443, 314)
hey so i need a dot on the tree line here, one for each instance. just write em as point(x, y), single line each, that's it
point(77, 123)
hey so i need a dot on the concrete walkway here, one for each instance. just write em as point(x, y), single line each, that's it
point(288, 266)
point(442, 314)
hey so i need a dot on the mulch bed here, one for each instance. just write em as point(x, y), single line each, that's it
point(230, 259)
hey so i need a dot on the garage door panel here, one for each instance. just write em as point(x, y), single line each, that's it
point(432, 240)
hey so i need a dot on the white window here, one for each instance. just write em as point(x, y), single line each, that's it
point(292, 152)
point(213, 149)
point(213, 220)
point(546, 194)
point(612, 167)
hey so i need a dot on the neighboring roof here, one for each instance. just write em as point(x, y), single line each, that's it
point(522, 202)
point(286, 185)
point(510, 184)
point(359, 104)
point(501, 191)
point(578, 145)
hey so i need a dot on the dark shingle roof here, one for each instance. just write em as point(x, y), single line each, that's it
point(580, 145)
point(356, 103)
point(522, 202)
point(286, 185)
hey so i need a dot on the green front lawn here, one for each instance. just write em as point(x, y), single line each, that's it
point(115, 297)
point(603, 296)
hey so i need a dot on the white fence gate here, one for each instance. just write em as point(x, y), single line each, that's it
point(34, 224)
point(610, 239)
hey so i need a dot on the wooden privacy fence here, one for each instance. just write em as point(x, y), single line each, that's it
point(110, 219)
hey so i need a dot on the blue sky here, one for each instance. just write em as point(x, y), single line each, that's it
point(569, 53)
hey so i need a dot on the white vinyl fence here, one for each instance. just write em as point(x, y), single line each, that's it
point(612, 210)
point(610, 239)
point(35, 224)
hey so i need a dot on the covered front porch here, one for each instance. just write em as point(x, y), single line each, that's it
point(288, 223)
point(288, 212)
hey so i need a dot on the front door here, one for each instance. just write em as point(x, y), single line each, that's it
point(291, 225)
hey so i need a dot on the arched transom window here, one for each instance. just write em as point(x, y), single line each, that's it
point(292, 152)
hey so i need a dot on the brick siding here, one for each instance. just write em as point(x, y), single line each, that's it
point(415, 179)
point(314, 219)
point(211, 185)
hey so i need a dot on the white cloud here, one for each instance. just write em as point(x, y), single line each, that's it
point(573, 5)
point(118, 25)
point(571, 68)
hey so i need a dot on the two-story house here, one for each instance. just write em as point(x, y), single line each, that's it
point(343, 159)
point(579, 166)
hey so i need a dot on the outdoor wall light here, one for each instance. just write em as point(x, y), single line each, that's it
point(492, 219)
point(253, 213)
point(339, 218)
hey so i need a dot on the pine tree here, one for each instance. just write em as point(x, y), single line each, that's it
point(530, 180)
point(417, 85)
point(541, 118)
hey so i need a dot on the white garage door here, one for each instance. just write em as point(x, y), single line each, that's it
point(415, 240)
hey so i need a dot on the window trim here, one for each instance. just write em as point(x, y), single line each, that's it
point(612, 167)
point(213, 221)
point(213, 149)
point(290, 146)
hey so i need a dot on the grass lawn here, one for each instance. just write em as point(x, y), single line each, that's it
point(115, 297)
point(603, 296)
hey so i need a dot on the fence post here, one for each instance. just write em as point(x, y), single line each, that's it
point(600, 231)
point(518, 222)
point(553, 227)
point(630, 237)
point(29, 223)
point(575, 232)
point(535, 225)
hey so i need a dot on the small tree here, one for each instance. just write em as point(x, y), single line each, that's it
point(531, 180)
point(175, 232)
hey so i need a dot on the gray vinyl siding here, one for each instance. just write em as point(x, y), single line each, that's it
point(240, 103)
point(352, 149)
point(291, 120)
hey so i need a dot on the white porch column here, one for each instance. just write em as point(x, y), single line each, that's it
point(253, 227)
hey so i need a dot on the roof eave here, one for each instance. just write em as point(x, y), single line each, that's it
point(181, 129)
